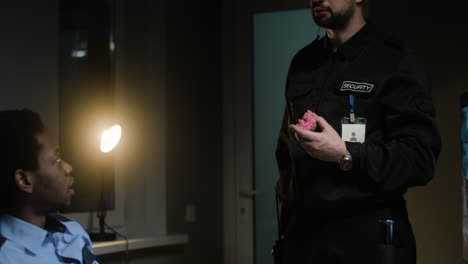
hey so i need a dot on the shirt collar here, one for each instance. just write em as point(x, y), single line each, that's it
point(26, 234)
point(53, 224)
point(353, 47)
point(22, 233)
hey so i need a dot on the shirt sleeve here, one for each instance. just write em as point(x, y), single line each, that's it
point(406, 156)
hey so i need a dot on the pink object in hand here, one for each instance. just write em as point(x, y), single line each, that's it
point(308, 121)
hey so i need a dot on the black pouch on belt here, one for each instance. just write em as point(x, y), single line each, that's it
point(277, 249)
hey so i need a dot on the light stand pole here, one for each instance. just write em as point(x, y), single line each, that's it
point(109, 139)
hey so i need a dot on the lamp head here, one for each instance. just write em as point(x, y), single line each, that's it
point(110, 138)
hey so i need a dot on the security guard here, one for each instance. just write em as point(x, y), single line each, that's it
point(341, 186)
point(35, 182)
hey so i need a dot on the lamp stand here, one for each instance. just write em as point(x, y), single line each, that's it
point(101, 214)
point(102, 235)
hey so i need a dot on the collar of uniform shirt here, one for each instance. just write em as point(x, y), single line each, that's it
point(357, 43)
point(54, 225)
point(22, 233)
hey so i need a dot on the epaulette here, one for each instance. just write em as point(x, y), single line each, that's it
point(2, 241)
point(87, 256)
point(61, 218)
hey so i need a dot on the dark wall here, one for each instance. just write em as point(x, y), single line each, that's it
point(173, 64)
point(194, 125)
point(29, 58)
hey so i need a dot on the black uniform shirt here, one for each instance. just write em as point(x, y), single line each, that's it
point(402, 140)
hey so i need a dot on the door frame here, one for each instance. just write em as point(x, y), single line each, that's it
point(238, 148)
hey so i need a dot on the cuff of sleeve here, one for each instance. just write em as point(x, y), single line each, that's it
point(356, 150)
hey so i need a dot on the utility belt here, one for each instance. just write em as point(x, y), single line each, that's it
point(294, 219)
point(327, 211)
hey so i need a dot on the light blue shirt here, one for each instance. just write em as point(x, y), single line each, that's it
point(61, 241)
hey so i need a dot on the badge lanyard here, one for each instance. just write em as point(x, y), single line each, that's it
point(353, 128)
point(352, 117)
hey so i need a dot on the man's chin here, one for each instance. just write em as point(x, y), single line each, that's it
point(62, 207)
point(322, 21)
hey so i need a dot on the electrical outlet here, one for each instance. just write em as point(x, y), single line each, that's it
point(190, 213)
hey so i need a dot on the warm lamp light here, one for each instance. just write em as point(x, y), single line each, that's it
point(110, 138)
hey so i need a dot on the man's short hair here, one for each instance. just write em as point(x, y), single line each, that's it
point(19, 149)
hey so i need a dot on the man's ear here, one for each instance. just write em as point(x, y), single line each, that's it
point(23, 181)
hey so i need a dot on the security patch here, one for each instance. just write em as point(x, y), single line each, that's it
point(356, 87)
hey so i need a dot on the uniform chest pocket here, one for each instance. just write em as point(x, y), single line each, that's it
point(302, 93)
point(301, 84)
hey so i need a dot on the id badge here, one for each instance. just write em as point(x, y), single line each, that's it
point(353, 131)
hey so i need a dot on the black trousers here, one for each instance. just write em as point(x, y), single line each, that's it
point(349, 236)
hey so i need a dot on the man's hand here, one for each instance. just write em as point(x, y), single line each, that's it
point(326, 145)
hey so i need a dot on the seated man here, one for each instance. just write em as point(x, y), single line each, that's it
point(35, 182)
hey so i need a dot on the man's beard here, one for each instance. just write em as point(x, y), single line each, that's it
point(334, 20)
